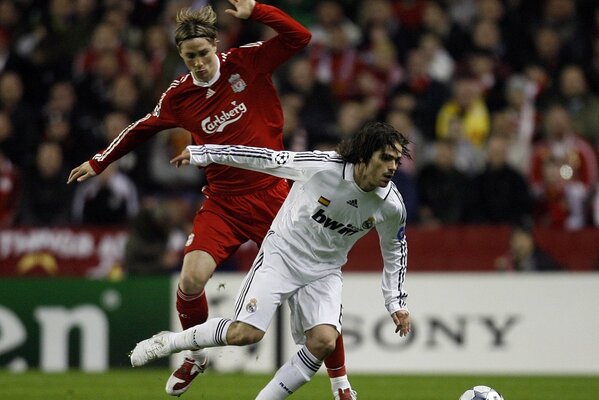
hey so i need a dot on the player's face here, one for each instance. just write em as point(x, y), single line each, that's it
point(199, 56)
point(381, 167)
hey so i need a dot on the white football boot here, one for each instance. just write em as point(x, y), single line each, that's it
point(158, 346)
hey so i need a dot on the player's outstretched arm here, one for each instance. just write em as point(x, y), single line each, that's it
point(243, 8)
point(81, 173)
point(401, 318)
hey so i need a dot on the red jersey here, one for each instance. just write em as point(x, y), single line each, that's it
point(239, 105)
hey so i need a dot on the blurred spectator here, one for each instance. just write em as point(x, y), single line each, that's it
point(62, 105)
point(46, 199)
point(134, 163)
point(165, 146)
point(57, 129)
point(23, 132)
point(500, 193)
point(441, 65)
point(105, 40)
point(330, 16)
point(109, 199)
point(125, 97)
point(350, 118)
point(467, 106)
point(486, 38)
point(427, 94)
point(336, 62)
point(561, 16)
point(436, 19)
point(381, 71)
point(163, 59)
point(295, 136)
point(10, 60)
point(541, 80)
point(402, 121)
point(563, 172)
point(94, 87)
point(489, 73)
point(157, 237)
point(442, 188)
point(408, 187)
point(9, 191)
point(468, 159)
point(312, 101)
point(517, 122)
point(560, 202)
point(581, 104)
point(549, 51)
point(524, 255)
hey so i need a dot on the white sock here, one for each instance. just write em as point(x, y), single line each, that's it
point(212, 333)
point(340, 382)
point(291, 376)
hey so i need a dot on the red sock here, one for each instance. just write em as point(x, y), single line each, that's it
point(192, 308)
point(335, 362)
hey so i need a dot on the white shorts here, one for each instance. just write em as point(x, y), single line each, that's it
point(313, 299)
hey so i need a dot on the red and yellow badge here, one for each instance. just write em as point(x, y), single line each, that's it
point(324, 201)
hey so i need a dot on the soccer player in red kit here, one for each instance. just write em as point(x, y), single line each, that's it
point(227, 98)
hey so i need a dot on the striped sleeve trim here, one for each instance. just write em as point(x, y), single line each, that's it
point(254, 44)
point(263, 154)
point(309, 156)
point(173, 85)
point(102, 156)
point(403, 260)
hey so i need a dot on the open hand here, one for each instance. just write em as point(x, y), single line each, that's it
point(243, 8)
point(81, 173)
point(402, 322)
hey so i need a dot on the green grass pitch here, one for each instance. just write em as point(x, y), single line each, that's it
point(148, 384)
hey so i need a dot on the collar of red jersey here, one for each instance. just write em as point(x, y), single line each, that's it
point(197, 82)
point(348, 175)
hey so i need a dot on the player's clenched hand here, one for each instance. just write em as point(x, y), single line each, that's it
point(243, 8)
point(181, 159)
point(81, 173)
point(402, 322)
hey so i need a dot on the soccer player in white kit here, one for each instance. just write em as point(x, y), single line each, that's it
point(336, 199)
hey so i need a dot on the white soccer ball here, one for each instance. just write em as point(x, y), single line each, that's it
point(481, 393)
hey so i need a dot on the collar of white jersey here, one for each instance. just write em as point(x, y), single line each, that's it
point(348, 175)
point(197, 82)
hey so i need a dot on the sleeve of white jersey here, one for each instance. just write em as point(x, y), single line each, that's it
point(297, 166)
point(394, 248)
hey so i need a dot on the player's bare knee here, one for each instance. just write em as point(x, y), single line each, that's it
point(198, 267)
point(241, 334)
point(192, 283)
point(321, 342)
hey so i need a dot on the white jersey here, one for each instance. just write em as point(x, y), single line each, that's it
point(326, 212)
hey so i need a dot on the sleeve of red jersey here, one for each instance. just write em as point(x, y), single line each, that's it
point(135, 134)
point(292, 37)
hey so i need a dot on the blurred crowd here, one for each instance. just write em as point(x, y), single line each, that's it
point(500, 100)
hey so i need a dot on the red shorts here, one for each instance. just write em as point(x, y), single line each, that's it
point(226, 222)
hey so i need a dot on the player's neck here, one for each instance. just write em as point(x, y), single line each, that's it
point(361, 178)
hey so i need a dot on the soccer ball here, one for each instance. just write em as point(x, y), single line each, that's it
point(481, 393)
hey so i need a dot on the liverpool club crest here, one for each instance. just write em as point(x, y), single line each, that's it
point(237, 84)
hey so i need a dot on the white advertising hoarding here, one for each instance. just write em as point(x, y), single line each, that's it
point(462, 323)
